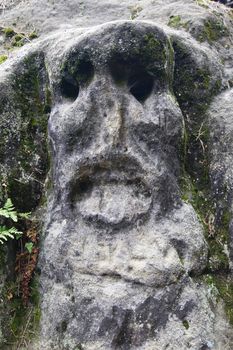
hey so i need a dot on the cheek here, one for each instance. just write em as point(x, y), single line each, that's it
point(72, 128)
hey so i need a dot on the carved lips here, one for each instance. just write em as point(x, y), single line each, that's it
point(109, 193)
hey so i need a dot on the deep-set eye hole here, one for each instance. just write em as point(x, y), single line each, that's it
point(69, 88)
point(84, 72)
point(140, 85)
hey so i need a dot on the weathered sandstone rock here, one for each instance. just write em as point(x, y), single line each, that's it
point(136, 167)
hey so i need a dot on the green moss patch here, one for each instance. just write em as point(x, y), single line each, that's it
point(32, 35)
point(3, 58)
point(213, 29)
point(196, 190)
point(14, 39)
point(23, 147)
point(9, 32)
point(185, 324)
point(176, 22)
point(194, 89)
point(221, 286)
point(33, 101)
point(154, 49)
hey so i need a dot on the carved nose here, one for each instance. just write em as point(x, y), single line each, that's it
point(114, 126)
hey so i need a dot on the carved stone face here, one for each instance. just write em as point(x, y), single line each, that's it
point(115, 119)
point(115, 133)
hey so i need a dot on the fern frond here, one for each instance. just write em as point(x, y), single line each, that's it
point(24, 215)
point(7, 233)
point(8, 211)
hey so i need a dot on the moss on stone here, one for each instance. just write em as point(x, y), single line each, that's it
point(14, 39)
point(221, 287)
point(154, 49)
point(194, 88)
point(24, 179)
point(33, 100)
point(79, 347)
point(176, 22)
point(9, 32)
point(18, 37)
point(33, 35)
point(185, 324)
point(203, 78)
point(3, 58)
point(196, 190)
point(18, 40)
point(212, 30)
point(203, 3)
point(198, 194)
point(224, 285)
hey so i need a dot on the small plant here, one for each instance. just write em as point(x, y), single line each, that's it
point(3, 58)
point(33, 35)
point(8, 211)
point(29, 247)
point(9, 32)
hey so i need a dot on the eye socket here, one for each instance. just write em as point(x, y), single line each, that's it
point(75, 74)
point(140, 85)
point(84, 72)
point(69, 87)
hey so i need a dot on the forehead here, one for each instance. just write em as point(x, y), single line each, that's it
point(134, 43)
point(121, 35)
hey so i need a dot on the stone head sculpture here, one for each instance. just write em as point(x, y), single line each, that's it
point(116, 131)
point(123, 246)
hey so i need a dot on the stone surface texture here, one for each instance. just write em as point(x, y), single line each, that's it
point(120, 116)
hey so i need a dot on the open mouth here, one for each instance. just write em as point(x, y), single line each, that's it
point(110, 193)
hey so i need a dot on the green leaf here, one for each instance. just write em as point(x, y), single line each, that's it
point(6, 233)
point(8, 211)
point(14, 231)
point(24, 215)
point(29, 247)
